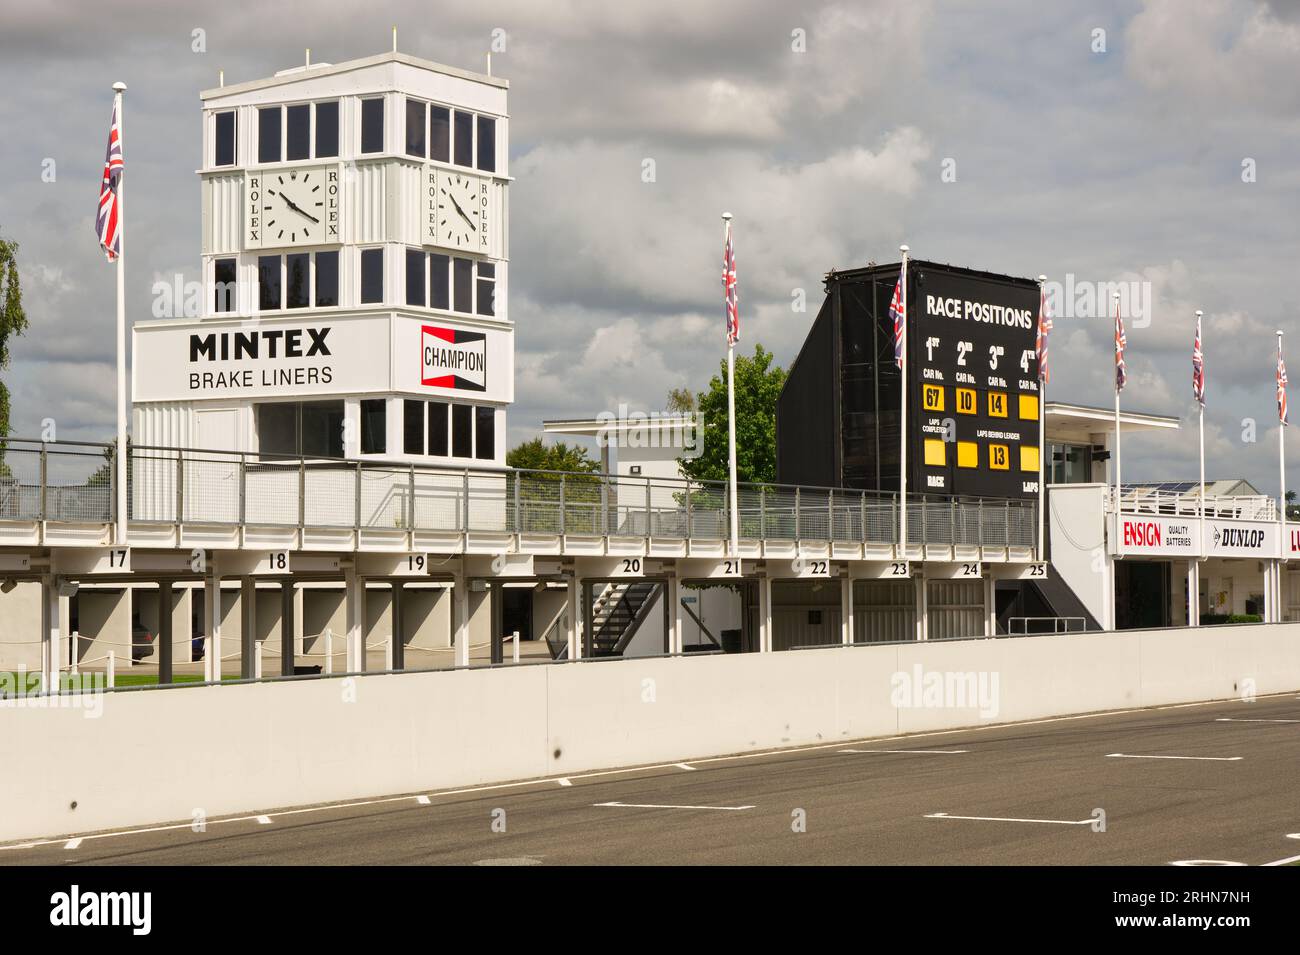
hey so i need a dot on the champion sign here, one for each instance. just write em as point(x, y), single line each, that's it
point(451, 358)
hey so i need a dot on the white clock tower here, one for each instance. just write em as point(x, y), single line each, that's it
point(355, 272)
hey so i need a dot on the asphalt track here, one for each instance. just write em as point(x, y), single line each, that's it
point(1227, 788)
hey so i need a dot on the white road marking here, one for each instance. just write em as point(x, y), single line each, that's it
point(646, 805)
point(921, 752)
point(72, 844)
point(759, 754)
point(564, 781)
point(422, 800)
point(1212, 759)
point(1230, 719)
point(1053, 822)
point(1293, 835)
point(686, 766)
point(263, 820)
point(1287, 861)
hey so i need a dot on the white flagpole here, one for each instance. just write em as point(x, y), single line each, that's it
point(1201, 427)
point(1043, 449)
point(902, 422)
point(1281, 449)
point(120, 462)
point(731, 416)
point(1118, 485)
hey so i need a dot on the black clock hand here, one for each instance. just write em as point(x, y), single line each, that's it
point(462, 212)
point(297, 210)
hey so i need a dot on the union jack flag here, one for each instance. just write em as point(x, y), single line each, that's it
point(898, 312)
point(729, 286)
point(108, 221)
point(1044, 329)
point(1198, 367)
point(1121, 340)
point(1281, 385)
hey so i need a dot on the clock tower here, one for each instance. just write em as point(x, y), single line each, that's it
point(355, 272)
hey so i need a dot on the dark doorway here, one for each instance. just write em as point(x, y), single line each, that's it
point(1141, 594)
point(517, 611)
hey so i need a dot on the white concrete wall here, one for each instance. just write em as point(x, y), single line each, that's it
point(311, 741)
point(1076, 515)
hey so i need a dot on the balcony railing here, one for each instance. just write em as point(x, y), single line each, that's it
point(1149, 500)
point(74, 482)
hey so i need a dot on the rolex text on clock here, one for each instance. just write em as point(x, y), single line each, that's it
point(292, 206)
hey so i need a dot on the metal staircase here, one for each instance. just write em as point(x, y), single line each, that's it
point(617, 614)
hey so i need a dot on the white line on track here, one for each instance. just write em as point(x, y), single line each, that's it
point(1286, 861)
point(564, 781)
point(1212, 759)
point(646, 805)
point(263, 820)
point(1052, 822)
point(423, 800)
point(918, 752)
point(760, 754)
point(72, 844)
point(1230, 719)
point(686, 766)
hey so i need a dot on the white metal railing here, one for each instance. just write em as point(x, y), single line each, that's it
point(1147, 500)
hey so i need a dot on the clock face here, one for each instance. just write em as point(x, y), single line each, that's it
point(459, 211)
point(292, 206)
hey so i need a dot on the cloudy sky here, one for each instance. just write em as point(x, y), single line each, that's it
point(1107, 140)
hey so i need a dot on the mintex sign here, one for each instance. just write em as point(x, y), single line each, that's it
point(453, 358)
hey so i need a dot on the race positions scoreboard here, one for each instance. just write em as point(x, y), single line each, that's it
point(973, 399)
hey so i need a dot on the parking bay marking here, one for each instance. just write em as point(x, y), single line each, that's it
point(1212, 759)
point(1051, 822)
point(919, 752)
point(638, 805)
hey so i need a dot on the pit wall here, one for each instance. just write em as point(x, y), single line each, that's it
point(147, 757)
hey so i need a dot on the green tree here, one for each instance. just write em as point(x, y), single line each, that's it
point(13, 320)
point(536, 455)
point(758, 384)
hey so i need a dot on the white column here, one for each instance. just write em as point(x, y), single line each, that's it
point(990, 607)
point(673, 594)
point(1191, 593)
point(212, 610)
point(765, 635)
point(354, 595)
point(52, 656)
point(574, 643)
point(247, 626)
point(460, 618)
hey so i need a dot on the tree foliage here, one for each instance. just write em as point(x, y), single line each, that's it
point(536, 455)
point(13, 320)
point(758, 384)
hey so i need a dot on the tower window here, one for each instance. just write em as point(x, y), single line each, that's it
point(372, 126)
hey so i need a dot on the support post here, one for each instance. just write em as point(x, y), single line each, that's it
point(397, 643)
point(765, 635)
point(673, 596)
point(496, 601)
point(50, 634)
point(574, 643)
point(354, 595)
point(165, 649)
point(287, 642)
point(212, 611)
point(922, 609)
point(247, 628)
point(990, 606)
point(846, 610)
point(460, 619)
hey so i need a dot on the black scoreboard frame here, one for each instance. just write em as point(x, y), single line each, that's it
point(972, 416)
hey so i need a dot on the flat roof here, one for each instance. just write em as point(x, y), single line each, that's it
point(594, 427)
point(1105, 417)
point(291, 75)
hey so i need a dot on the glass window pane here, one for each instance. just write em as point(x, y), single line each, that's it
point(374, 426)
point(327, 279)
point(463, 286)
point(464, 138)
point(486, 297)
point(487, 144)
point(224, 289)
point(462, 423)
point(439, 281)
point(327, 128)
point(415, 277)
point(298, 127)
point(485, 445)
point(297, 279)
point(439, 133)
point(225, 140)
point(322, 429)
point(412, 427)
point(438, 428)
point(268, 282)
point(372, 275)
point(487, 270)
point(372, 125)
point(268, 134)
point(415, 110)
point(277, 427)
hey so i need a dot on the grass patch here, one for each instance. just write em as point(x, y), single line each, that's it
point(12, 683)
